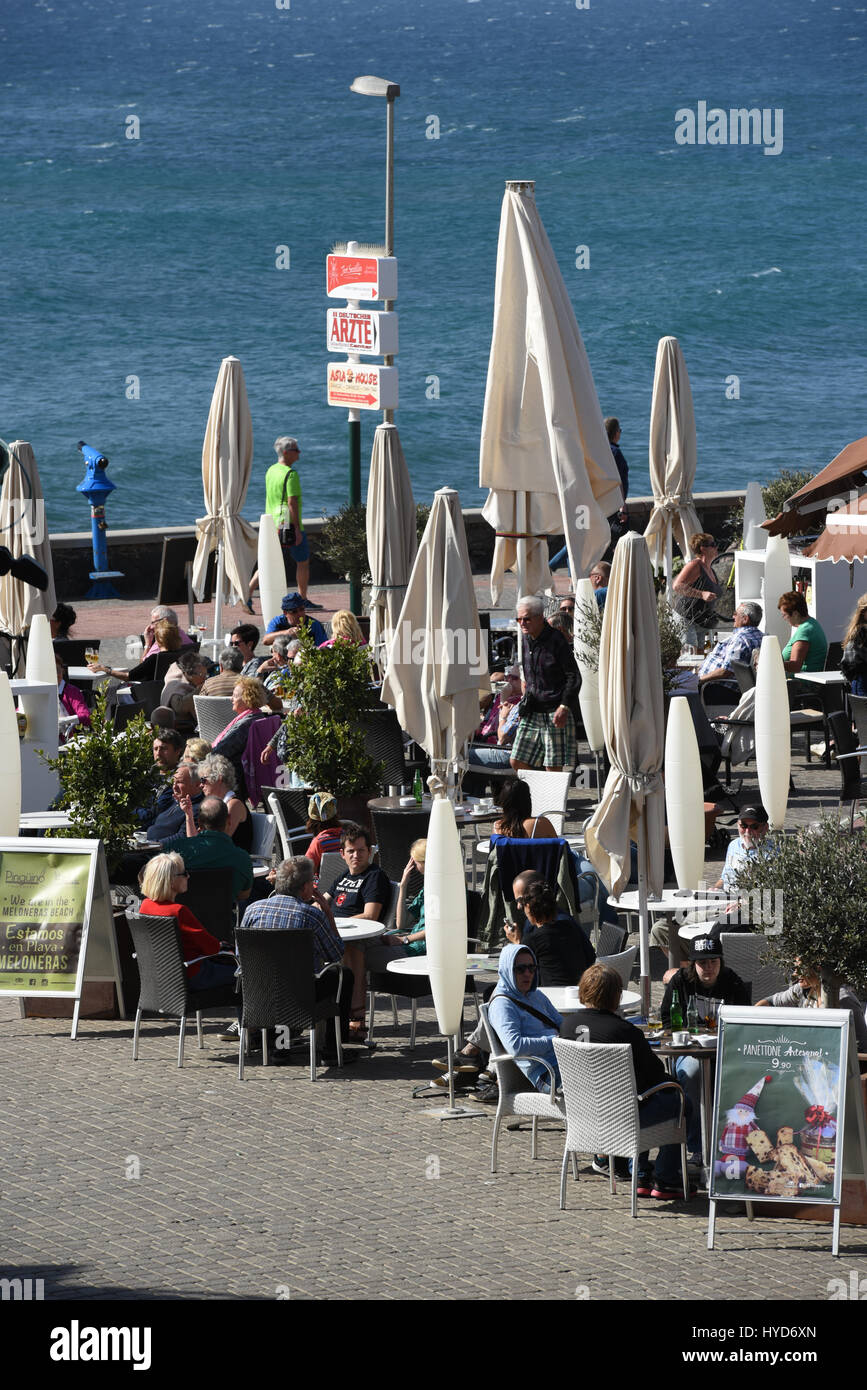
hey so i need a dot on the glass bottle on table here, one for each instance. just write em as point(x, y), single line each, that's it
point(676, 1017)
point(417, 786)
point(692, 1023)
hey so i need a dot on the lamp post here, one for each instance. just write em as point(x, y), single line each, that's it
point(373, 87)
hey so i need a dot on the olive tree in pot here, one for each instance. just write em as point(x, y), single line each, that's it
point(813, 892)
point(322, 740)
point(104, 778)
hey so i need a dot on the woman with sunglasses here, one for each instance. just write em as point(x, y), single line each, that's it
point(524, 1019)
point(161, 880)
point(218, 778)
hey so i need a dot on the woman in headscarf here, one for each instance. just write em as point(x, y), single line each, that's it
point(524, 1019)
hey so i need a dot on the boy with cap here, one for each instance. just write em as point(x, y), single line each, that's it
point(707, 978)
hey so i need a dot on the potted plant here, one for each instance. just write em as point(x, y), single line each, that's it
point(322, 740)
point(816, 881)
point(104, 778)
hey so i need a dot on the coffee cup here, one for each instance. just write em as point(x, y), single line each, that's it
point(681, 1039)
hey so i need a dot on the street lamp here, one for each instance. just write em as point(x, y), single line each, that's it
point(373, 87)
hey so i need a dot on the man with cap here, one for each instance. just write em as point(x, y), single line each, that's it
point(705, 977)
point(283, 502)
point(292, 619)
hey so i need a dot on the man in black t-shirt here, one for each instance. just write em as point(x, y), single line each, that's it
point(363, 891)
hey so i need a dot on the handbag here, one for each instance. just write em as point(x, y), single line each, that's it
point(287, 535)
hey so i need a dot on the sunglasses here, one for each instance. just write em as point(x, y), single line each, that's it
point(750, 824)
point(528, 618)
point(524, 969)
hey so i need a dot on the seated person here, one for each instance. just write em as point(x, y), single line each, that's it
point(178, 694)
point(561, 946)
point(600, 992)
point(71, 699)
point(497, 730)
point(275, 669)
point(807, 648)
point(210, 847)
point(62, 622)
point(524, 1020)
point(150, 641)
point(161, 880)
point(169, 825)
point(363, 891)
point(168, 746)
point(244, 638)
point(708, 978)
point(806, 993)
point(167, 639)
point(324, 825)
point(599, 578)
point(410, 915)
point(292, 619)
point(738, 645)
point(345, 627)
point(296, 903)
point(516, 814)
point(230, 663)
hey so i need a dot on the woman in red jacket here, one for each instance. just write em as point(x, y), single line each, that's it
point(161, 880)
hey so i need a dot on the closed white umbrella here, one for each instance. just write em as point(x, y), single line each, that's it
point(437, 661)
point(544, 452)
point(684, 795)
point(773, 729)
point(672, 458)
point(391, 535)
point(630, 697)
point(777, 580)
point(227, 458)
point(23, 530)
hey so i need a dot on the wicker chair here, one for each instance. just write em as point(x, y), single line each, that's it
point(164, 987)
point(622, 963)
point(517, 1095)
point(383, 740)
point(602, 1110)
point(610, 939)
point(394, 832)
point(213, 713)
point(292, 842)
point(277, 987)
point(549, 792)
point(209, 897)
point(744, 953)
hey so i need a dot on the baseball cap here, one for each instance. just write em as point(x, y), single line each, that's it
point(754, 812)
point(705, 948)
point(291, 601)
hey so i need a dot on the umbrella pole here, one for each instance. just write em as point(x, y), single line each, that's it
point(643, 918)
point(668, 558)
point(218, 597)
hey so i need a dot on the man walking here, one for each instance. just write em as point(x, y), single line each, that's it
point(283, 502)
point(546, 729)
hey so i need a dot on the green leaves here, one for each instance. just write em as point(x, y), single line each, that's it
point(819, 879)
point(104, 778)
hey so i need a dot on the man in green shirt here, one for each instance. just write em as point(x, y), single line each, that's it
point(283, 502)
point(212, 848)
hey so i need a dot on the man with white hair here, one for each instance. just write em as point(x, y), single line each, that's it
point(158, 614)
point(546, 728)
point(283, 502)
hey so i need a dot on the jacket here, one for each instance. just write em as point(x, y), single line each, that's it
point(507, 858)
point(521, 1033)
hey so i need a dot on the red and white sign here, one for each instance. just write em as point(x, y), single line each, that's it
point(362, 330)
point(362, 386)
point(362, 277)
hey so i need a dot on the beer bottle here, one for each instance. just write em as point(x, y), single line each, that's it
point(417, 788)
point(676, 1012)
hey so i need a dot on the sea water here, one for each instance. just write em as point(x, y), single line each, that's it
point(173, 175)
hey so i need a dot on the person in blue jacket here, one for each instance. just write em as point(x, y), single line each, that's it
point(524, 1019)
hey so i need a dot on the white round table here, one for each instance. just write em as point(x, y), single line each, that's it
point(418, 965)
point(44, 820)
point(358, 928)
point(566, 1002)
point(673, 902)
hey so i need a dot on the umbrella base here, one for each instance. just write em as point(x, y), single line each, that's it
point(102, 588)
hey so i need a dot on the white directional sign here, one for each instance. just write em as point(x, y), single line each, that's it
point(361, 277)
point(362, 386)
point(362, 330)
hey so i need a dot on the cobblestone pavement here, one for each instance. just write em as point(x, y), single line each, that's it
point(343, 1189)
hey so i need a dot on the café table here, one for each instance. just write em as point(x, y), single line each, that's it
point(706, 1055)
point(418, 965)
point(32, 821)
point(358, 928)
point(690, 663)
point(566, 1002)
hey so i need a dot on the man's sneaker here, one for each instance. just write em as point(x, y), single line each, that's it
point(487, 1095)
point(464, 1061)
point(317, 607)
point(232, 1033)
point(646, 1188)
point(599, 1165)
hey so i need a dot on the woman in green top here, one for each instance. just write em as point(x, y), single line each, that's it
point(807, 647)
point(410, 915)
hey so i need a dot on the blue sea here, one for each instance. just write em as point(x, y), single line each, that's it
point(132, 266)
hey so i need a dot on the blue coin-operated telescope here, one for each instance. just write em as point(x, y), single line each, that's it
point(95, 486)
